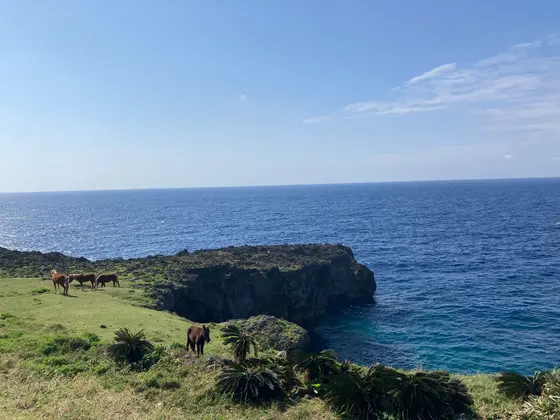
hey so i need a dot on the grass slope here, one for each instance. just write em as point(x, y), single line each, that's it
point(39, 382)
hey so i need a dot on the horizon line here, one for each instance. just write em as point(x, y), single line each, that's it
point(318, 184)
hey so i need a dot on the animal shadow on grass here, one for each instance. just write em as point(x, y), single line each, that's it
point(70, 296)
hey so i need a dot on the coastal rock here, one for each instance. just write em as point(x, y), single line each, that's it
point(299, 283)
point(273, 333)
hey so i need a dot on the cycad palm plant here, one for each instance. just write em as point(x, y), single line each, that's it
point(129, 346)
point(240, 341)
point(314, 365)
point(246, 383)
point(516, 386)
point(429, 395)
point(361, 395)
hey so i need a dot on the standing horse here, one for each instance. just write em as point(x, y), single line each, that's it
point(60, 280)
point(106, 278)
point(199, 336)
point(83, 278)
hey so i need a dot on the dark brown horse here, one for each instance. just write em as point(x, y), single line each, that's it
point(60, 280)
point(82, 278)
point(106, 278)
point(199, 336)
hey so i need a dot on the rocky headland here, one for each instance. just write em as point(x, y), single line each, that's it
point(299, 283)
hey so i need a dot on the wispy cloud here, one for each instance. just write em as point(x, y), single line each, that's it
point(519, 87)
point(243, 97)
point(316, 120)
point(509, 156)
point(433, 73)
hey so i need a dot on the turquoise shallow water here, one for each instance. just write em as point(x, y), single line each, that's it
point(468, 272)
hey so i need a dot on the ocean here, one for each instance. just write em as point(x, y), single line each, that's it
point(468, 272)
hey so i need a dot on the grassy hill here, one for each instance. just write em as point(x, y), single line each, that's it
point(53, 363)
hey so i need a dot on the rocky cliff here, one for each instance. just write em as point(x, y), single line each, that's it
point(295, 282)
point(299, 283)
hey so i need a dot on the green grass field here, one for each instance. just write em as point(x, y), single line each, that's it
point(36, 384)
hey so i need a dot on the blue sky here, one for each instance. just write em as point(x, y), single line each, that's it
point(145, 94)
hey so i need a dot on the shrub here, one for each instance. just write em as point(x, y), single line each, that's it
point(65, 344)
point(150, 359)
point(129, 346)
point(516, 386)
point(359, 395)
point(429, 395)
point(244, 383)
point(547, 405)
point(240, 341)
point(314, 365)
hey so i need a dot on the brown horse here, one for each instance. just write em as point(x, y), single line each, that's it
point(60, 280)
point(82, 278)
point(106, 278)
point(199, 336)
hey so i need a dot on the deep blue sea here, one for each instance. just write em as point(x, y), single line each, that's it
point(468, 272)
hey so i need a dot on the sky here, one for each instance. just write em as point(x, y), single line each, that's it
point(158, 94)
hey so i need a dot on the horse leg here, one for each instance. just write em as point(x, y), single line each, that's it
point(192, 347)
point(202, 348)
point(188, 343)
point(54, 284)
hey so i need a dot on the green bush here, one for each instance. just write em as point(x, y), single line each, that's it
point(129, 346)
point(249, 384)
point(362, 395)
point(66, 344)
point(547, 405)
point(240, 341)
point(314, 365)
point(429, 395)
point(381, 390)
point(519, 387)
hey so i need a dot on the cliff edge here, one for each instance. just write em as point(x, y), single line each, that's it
point(299, 283)
point(296, 282)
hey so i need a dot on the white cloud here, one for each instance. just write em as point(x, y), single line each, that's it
point(556, 158)
point(509, 156)
point(433, 73)
point(518, 88)
point(316, 120)
point(243, 97)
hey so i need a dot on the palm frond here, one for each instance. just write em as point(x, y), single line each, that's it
point(240, 341)
point(129, 346)
point(516, 386)
point(314, 365)
point(246, 383)
point(422, 395)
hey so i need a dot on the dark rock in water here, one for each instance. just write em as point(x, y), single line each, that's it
point(274, 333)
point(296, 282)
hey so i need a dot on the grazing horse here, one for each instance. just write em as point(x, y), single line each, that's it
point(106, 278)
point(82, 278)
point(60, 280)
point(199, 336)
